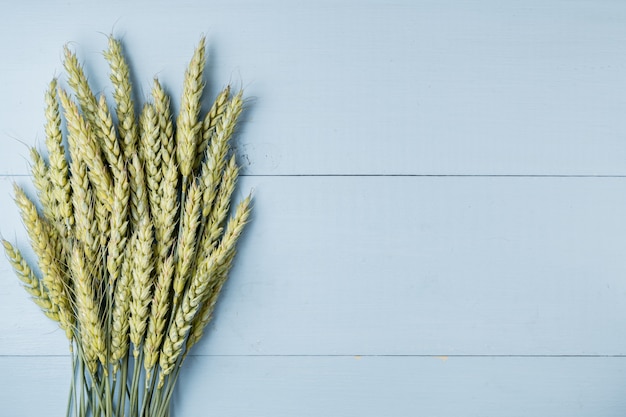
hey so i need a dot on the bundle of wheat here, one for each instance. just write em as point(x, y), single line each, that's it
point(131, 232)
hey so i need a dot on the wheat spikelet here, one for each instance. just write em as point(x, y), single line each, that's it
point(58, 170)
point(141, 288)
point(210, 122)
point(188, 126)
point(32, 284)
point(120, 77)
point(90, 328)
point(158, 313)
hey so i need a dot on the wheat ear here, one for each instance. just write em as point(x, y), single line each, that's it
point(166, 217)
point(110, 143)
point(33, 285)
point(210, 122)
point(186, 250)
point(84, 146)
point(79, 83)
point(219, 211)
point(188, 126)
point(158, 313)
point(83, 208)
point(205, 314)
point(53, 280)
point(120, 77)
point(87, 305)
point(149, 147)
point(211, 168)
point(58, 170)
point(141, 288)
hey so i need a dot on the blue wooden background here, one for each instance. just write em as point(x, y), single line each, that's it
point(440, 202)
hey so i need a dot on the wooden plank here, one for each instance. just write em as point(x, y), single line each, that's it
point(405, 265)
point(430, 87)
point(354, 386)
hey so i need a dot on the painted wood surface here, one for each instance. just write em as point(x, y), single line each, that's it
point(351, 87)
point(350, 386)
point(409, 266)
point(440, 192)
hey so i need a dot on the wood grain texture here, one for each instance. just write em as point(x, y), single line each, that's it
point(405, 87)
point(409, 265)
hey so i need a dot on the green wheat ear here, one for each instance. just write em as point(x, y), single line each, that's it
point(131, 231)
